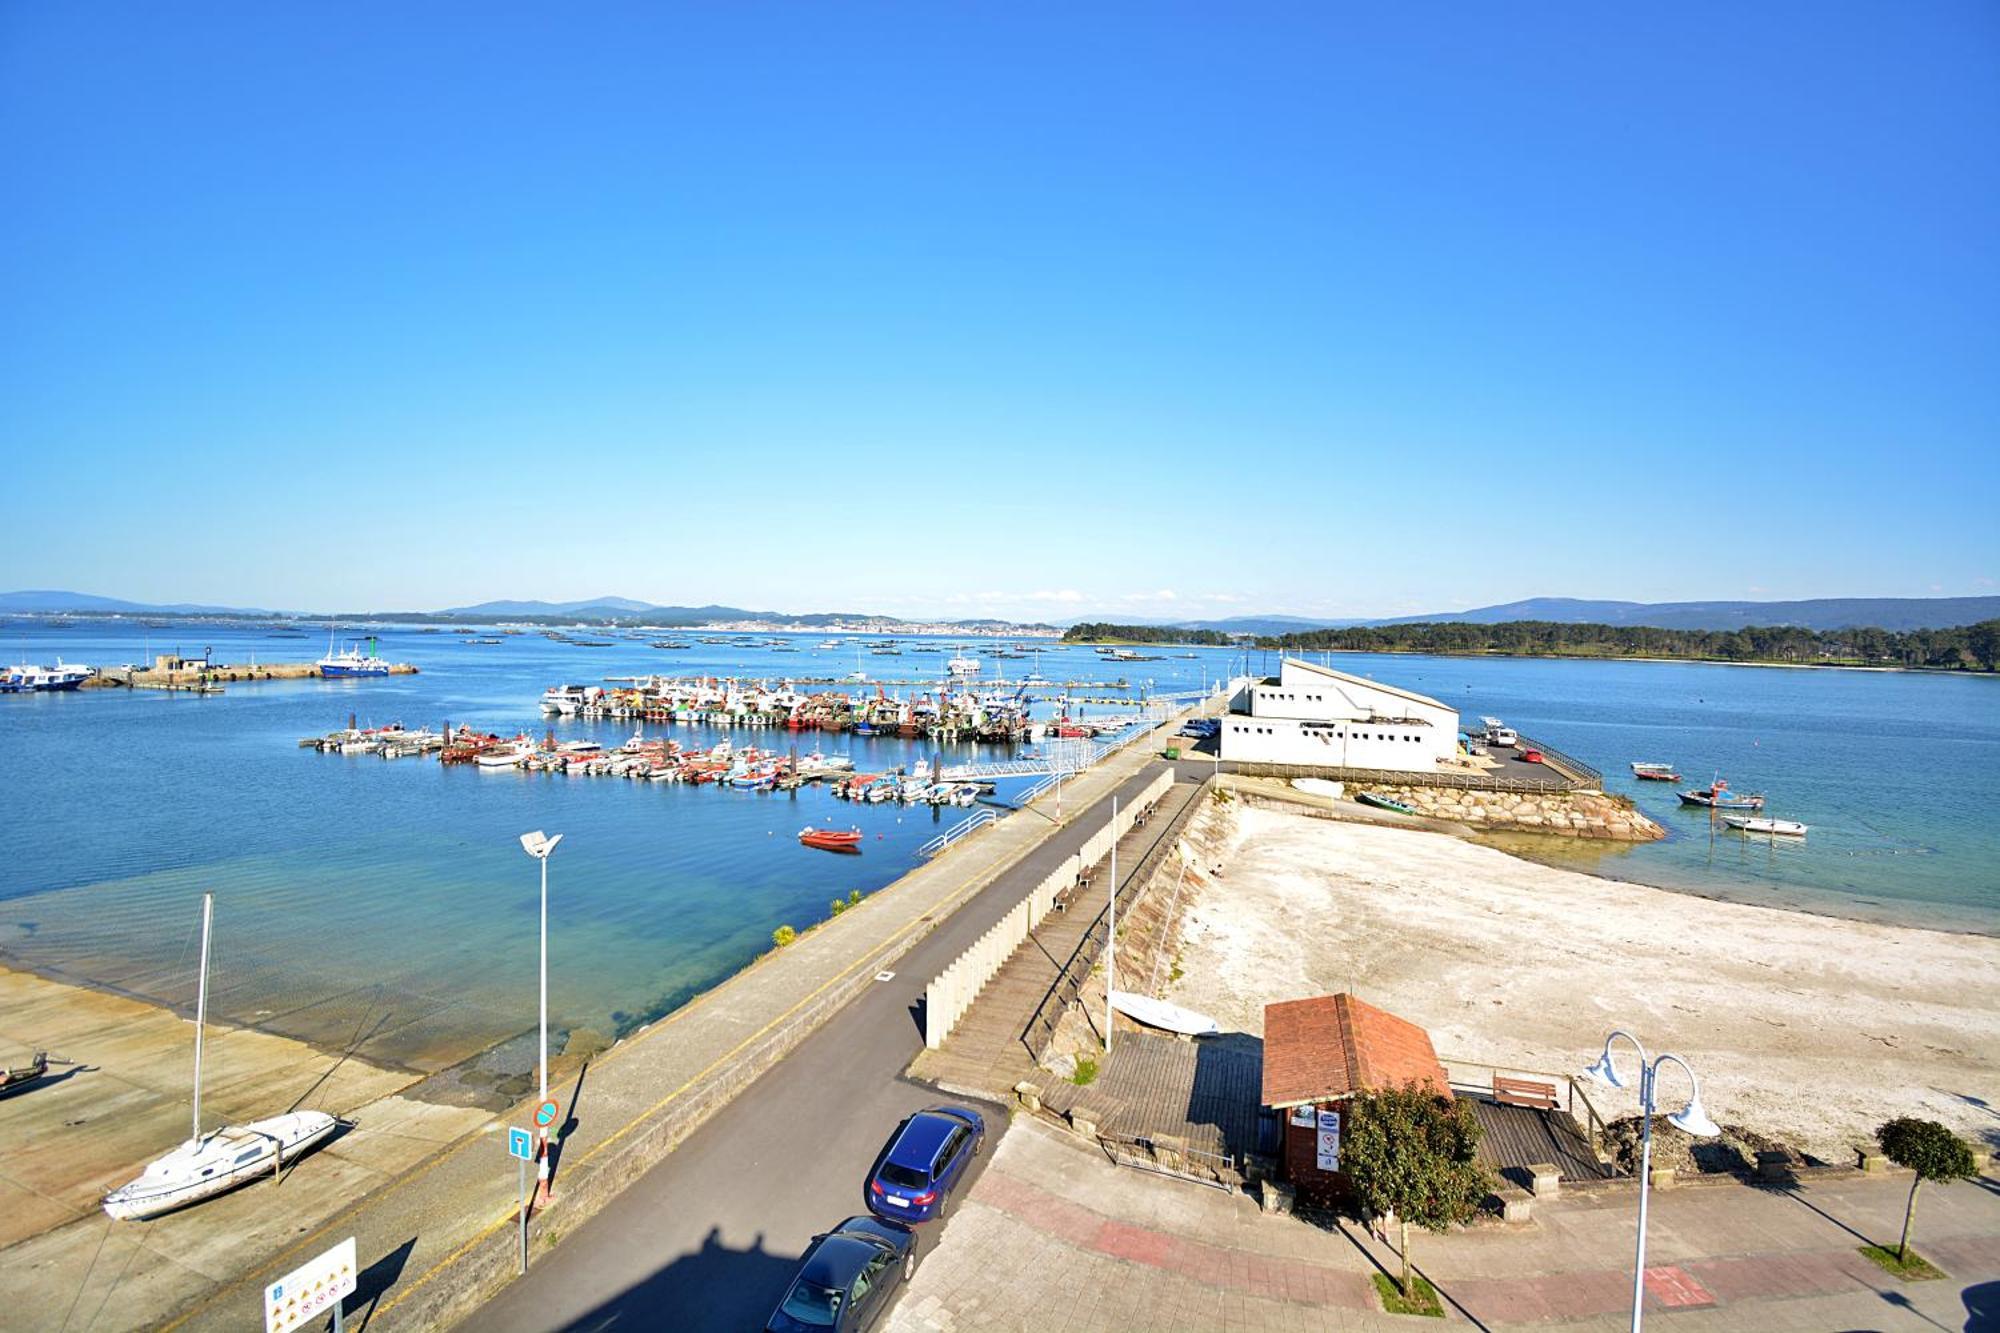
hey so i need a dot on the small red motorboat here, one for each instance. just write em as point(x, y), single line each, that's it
point(831, 840)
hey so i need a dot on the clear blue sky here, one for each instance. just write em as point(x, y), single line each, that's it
point(1049, 311)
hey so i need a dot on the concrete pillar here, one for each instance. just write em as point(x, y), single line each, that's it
point(1872, 1161)
point(1516, 1205)
point(1547, 1180)
point(1030, 1095)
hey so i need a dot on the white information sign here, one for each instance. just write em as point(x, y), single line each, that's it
point(1329, 1140)
point(310, 1290)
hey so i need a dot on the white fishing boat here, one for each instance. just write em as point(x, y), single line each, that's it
point(211, 1163)
point(504, 756)
point(1783, 828)
point(1163, 1014)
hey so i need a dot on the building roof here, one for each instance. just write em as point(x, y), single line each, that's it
point(1364, 683)
point(1333, 1046)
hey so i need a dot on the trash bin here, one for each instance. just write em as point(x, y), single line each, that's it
point(1173, 752)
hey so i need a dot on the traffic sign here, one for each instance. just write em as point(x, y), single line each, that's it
point(310, 1290)
point(546, 1113)
point(521, 1144)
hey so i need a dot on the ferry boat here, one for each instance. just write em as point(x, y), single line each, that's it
point(351, 662)
point(28, 679)
point(960, 664)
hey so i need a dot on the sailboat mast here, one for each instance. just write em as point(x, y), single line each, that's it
point(201, 1004)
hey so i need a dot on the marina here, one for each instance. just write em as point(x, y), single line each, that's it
point(669, 887)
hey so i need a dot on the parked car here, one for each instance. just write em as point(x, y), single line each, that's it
point(923, 1163)
point(1531, 756)
point(846, 1277)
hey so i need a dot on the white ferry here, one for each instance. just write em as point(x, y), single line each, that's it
point(27, 679)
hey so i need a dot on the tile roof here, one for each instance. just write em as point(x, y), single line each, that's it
point(1333, 1045)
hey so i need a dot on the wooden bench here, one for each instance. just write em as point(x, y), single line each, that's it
point(1065, 896)
point(1524, 1092)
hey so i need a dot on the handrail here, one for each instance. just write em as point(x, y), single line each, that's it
point(978, 819)
point(1579, 773)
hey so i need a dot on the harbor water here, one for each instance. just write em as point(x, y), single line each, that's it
point(385, 906)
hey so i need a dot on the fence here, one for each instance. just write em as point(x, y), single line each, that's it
point(953, 990)
point(1581, 775)
point(972, 823)
point(1169, 1157)
point(1412, 778)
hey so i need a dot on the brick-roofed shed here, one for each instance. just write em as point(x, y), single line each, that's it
point(1320, 1052)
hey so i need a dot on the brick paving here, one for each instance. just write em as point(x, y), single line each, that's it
point(1055, 1237)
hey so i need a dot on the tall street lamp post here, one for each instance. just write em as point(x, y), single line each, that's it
point(540, 846)
point(1690, 1119)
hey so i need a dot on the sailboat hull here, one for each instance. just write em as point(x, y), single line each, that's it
point(218, 1162)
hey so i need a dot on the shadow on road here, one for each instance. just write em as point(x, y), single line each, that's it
point(569, 1124)
point(714, 1288)
point(373, 1281)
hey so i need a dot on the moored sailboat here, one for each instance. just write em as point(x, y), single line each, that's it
point(213, 1163)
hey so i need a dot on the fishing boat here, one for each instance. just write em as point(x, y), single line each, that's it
point(212, 1163)
point(1384, 803)
point(1655, 772)
point(1782, 828)
point(351, 661)
point(831, 840)
point(1717, 796)
point(961, 663)
point(504, 756)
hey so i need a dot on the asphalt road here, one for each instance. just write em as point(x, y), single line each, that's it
point(708, 1238)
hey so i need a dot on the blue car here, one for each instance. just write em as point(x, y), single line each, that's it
point(923, 1163)
point(846, 1278)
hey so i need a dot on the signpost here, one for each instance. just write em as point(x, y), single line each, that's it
point(521, 1147)
point(309, 1290)
point(546, 1113)
point(1329, 1140)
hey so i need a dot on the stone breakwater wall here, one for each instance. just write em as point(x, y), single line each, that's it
point(1569, 814)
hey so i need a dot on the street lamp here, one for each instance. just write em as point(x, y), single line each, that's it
point(1690, 1119)
point(1111, 933)
point(540, 846)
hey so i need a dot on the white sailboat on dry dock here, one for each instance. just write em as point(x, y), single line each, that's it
point(218, 1161)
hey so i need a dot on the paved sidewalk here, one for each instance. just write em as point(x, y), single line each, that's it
point(1054, 1237)
point(414, 1229)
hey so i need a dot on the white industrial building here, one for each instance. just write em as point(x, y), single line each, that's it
point(1314, 716)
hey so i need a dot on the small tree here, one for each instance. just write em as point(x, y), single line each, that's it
point(1930, 1150)
point(1411, 1152)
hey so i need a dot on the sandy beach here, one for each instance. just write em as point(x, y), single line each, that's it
point(1805, 1028)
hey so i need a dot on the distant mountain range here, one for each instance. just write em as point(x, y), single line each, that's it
point(48, 600)
point(1824, 613)
point(1821, 613)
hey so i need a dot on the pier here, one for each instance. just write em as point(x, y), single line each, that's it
point(198, 675)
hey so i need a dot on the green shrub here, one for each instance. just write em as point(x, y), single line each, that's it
point(783, 935)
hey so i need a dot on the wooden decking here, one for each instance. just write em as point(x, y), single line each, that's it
point(1204, 1092)
point(990, 1049)
point(1517, 1137)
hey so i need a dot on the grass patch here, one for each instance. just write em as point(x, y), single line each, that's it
point(1086, 1072)
point(1425, 1302)
point(1915, 1268)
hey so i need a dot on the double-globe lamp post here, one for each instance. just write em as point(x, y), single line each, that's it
point(540, 846)
point(1690, 1119)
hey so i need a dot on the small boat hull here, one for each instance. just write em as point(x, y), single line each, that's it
point(1163, 1014)
point(1383, 803)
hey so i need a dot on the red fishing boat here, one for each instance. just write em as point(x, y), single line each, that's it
point(831, 840)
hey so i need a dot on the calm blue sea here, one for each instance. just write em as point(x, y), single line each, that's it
point(389, 903)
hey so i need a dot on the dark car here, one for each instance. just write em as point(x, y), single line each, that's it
point(846, 1277)
point(923, 1162)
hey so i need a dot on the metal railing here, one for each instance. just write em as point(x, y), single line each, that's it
point(973, 822)
point(1580, 774)
point(1027, 797)
point(1197, 1165)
